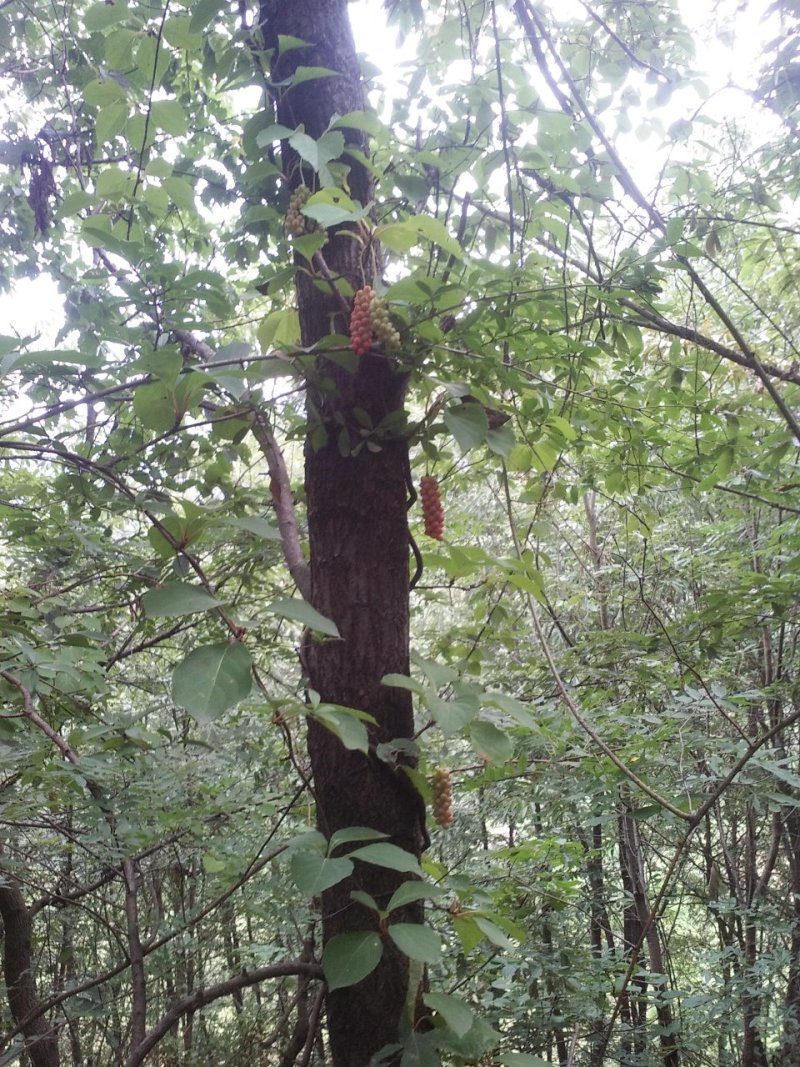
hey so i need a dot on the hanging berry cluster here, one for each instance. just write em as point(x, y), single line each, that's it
point(442, 788)
point(296, 223)
point(432, 510)
point(382, 327)
point(360, 325)
point(370, 318)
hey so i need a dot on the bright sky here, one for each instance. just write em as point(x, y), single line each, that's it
point(722, 60)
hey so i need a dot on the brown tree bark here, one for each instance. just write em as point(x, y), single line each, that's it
point(41, 1038)
point(359, 542)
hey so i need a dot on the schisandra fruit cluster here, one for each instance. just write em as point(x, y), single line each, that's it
point(360, 323)
point(296, 222)
point(370, 320)
point(442, 789)
point(381, 324)
point(432, 510)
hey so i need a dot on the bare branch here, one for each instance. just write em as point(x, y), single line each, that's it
point(199, 998)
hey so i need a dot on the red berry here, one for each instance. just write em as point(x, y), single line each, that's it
point(432, 510)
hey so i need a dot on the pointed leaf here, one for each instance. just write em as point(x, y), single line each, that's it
point(417, 941)
point(212, 679)
point(301, 611)
point(409, 892)
point(457, 1014)
point(468, 424)
point(177, 598)
point(347, 958)
point(385, 854)
point(353, 833)
point(313, 873)
point(488, 741)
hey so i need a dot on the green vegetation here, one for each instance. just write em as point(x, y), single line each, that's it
point(225, 700)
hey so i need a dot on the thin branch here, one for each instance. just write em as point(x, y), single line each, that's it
point(199, 998)
point(284, 509)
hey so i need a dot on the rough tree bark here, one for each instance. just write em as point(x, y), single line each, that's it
point(359, 544)
point(41, 1037)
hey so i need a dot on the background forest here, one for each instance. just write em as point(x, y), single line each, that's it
point(281, 782)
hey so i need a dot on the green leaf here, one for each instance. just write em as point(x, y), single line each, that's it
point(490, 742)
point(402, 236)
point(402, 681)
point(367, 121)
point(212, 679)
point(348, 958)
point(346, 724)
point(177, 598)
point(301, 611)
point(101, 16)
point(169, 116)
point(254, 524)
point(417, 941)
point(203, 12)
point(385, 854)
point(353, 833)
point(456, 1013)
point(468, 424)
point(330, 207)
point(501, 441)
point(411, 891)
point(313, 874)
point(493, 933)
point(453, 715)
point(154, 404)
point(307, 74)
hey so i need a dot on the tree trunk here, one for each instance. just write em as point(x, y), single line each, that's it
point(358, 533)
point(42, 1042)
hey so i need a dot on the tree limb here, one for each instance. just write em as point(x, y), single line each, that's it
point(199, 998)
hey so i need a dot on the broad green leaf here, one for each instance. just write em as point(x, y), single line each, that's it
point(457, 1014)
point(101, 16)
point(348, 958)
point(313, 874)
point(419, 1050)
point(411, 891)
point(306, 74)
point(493, 933)
point(154, 403)
point(177, 598)
point(417, 941)
point(301, 611)
point(385, 854)
point(367, 121)
point(488, 741)
point(212, 679)
point(346, 724)
point(402, 236)
point(468, 424)
point(402, 681)
point(353, 833)
point(203, 11)
point(453, 715)
point(469, 933)
point(254, 524)
point(169, 116)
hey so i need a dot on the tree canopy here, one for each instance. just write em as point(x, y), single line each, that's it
point(399, 633)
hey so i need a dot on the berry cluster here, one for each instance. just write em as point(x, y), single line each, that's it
point(296, 223)
point(432, 510)
point(381, 324)
point(360, 322)
point(442, 789)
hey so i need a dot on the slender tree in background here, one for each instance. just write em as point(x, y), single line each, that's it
point(296, 767)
